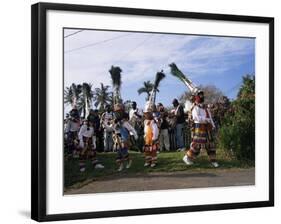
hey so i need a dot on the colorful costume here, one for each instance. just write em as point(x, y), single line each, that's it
point(202, 122)
point(71, 130)
point(202, 137)
point(88, 149)
point(151, 133)
point(202, 133)
point(121, 138)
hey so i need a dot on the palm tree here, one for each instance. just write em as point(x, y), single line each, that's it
point(115, 73)
point(147, 88)
point(72, 94)
point(158, 78)
point(102, 97)
point(86, 98)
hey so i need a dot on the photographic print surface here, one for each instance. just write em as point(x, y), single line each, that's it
point(157, 111)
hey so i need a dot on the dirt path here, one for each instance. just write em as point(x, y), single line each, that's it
point(174, 180)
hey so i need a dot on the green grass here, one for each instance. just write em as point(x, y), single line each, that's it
point(167, 162)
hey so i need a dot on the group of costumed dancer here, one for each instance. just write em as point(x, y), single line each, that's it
point(117, 121)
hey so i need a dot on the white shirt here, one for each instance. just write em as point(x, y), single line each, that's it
point(132, 114)
point(199, 115)
point(108, 128)
point(72, 126)
point(85, 132)
point(107, 116)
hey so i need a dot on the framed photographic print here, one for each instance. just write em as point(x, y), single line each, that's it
point(140, 111)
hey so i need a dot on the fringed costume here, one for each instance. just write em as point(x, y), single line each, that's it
point(121, 138)
point(151, 133)
point(202, 137)
point(202, 133)
point(87, 147)
point(202, 121)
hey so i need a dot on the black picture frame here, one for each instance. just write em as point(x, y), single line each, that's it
point(38, 108)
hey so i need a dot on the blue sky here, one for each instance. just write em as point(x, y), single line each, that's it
point(206, 60)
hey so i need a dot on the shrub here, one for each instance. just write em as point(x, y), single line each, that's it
point(237, 132)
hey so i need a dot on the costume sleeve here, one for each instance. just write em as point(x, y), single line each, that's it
point(81, 132)
point(211, 118)
point(130, 129)
point(131, 114)
point(155, 131)
point(196, 115)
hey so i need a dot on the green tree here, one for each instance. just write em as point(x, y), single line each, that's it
point(147, 88)
point(102, 97)
point(237, 132)
point(86, 98)
point(211, 94)
point(72, 94)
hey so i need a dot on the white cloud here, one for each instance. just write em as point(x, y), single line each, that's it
point(141, 55)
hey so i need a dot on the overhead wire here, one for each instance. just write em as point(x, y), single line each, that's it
point(96, 43)
point(73, 33)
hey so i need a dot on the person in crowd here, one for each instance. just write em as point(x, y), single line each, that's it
point(164, 140)
point(88, 150)
point(121, 137)
point(202, 133)
point(179, 120)
point(71, 129)
point(135, 119)
point(151, 134)
point(94, 118)
point(107, 118)
point(135, 114)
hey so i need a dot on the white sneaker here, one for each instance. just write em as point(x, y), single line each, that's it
point(152, 165)
point(187, 161)
point(99, 166)
point(215, 164)
point(146, 164)
point(82, 169)
point(121, 167)
point(129, 164)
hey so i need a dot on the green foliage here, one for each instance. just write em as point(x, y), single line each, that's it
point(211, 94)
point(147, 88)
point(237, 132)
point(102, 97)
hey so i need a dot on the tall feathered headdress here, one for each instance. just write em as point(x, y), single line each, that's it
point(152, 98)
point(115, 73)
point(177, 73)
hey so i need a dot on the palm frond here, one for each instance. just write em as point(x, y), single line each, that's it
point(158, 78)
point(142, 90)
point(178, 73)
point(115, 73)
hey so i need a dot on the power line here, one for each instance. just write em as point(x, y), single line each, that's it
point(73, 33)
point(139, 45)
point(96, 43)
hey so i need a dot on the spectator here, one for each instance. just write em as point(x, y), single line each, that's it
point(135, 118)
point(179, 124)
point(164, 126)
point(107, 119)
